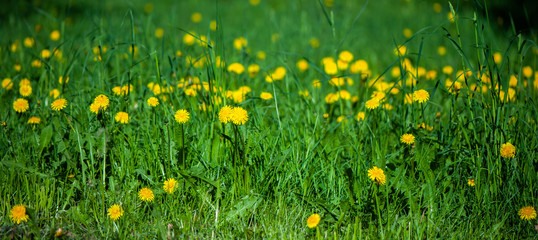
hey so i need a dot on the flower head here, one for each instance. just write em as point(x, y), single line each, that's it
point(58, 104)
point(470, 182)
point(182, 116)
point(115, 212)
point(407, 139)
point(236, 68)
point(360, 116)
point(18, 214)
point(313, 220)
point(145, 194)
point(508, 150)
point(421, 96)
point(25, 90)
point(372, 103)
point(239, 116)
point(225, 114)
point(376, 174)
point(34, 120)
point(122, 117)
point(7, 83)
point(170, 185)
point(54, 93)
point(266, 96)
point(527, 213)
point(21, 105)
point(153, 101)
point(102, 101)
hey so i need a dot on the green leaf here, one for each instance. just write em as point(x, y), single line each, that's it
point(44, 140)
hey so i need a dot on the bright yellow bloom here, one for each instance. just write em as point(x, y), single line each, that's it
point(153, 101)
point(237, 68)
point(55, 35)
point(372, 103)
point(332, 98)
point(313, 220)
point(94, 108)
point(302, 65)
point(407, 139)
point(146, 195)
point(170, 185)
point(21, 105)
point(159, 32)
point(25, 90)
point(196, 17)
point(102, 101)
point(470, 182)
point(360, 116)
point(7, 83)
point(63, 80)
point(376, 174)
point(225, 114)
point(527, 213)
point(29, 42)
point(58, 104)
point(441, 50)
point(253, 70)
point(182, 116)
point(18, 214)
point(527, 71)
point(45, 53)
point(266, 96)
point(330, 67)
point(345, 56)
point(421, 96)
point(34, 120)
point(240, 43)
point(508, 150)
point(122, 117)
point(115, 212)
point(314, 42)
point(239, 116)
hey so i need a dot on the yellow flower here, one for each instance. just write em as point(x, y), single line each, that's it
point(36, 63)
point(527, 213)
point(407, 139)
point(196, 17)
point(54, 93)
point(7, 83)
point(29, 42)
point(170, 185)
point(63, 80)
point(266, 96)
point(146, 195)
point(18, 214)
point(213, 25)
point(254, 2)
point(115, 212)
point(313, 220)
point(470, 182)
point(360, 116)
point(21, 105)
point(25, 90)
point(55, 35)
point(421, 96)
point(189, 39)
point(527, 71)
point(316, 83)
point(58, 104)
point(122, 117)
point(261, 55)
point(407, 32)
point(314, 42)
point(102, 101)
point(34, 120)
point(240, 43)
point(332, 98)
point(182, 116)
point(508, 150)
point(372, 103)
point(302, 65)
point(330, 67)
point(159, 32)
point(376, 174)
point(401, 50)
point(441, 50)
point(94, 108)
point(236, 68)
point(306, 94)
point(253, 70)
point(345, 56)
point(153, 101)
point(45, 53)
point(239, 116)
point(225, 114)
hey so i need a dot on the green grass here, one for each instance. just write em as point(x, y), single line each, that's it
point(264, 178)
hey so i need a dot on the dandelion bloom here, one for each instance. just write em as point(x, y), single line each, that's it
point(313, 220)
point(407, 139)
point(470, 182)
point(527, 213)
point(146, 195)
point(421, 96)
point(115, 212)
point(508, 150)
point(376, 174)
point(25, 90)
point(34, 120)
point(182, 116)
point(153, 101)
point(372, 103)
point(63, 80)
point(302, 65)
point(360, 116)
point(122, 117)
point(237, 68)
point(55, 35)
point(18, 214)
point(58, 104)
point(225, 114)
point(239, 116)
point(102, 101)
point(170, 185)
point(94, 108)
point(54, 93)
point(7, 83)
point(266, 96)
point(21, 105)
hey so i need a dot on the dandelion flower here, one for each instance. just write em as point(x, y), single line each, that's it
point(313, 220)
point(237, 68)
point(360, 116)
point(421, 96)
point(266, 96)
point(146, 195)
point(7, 83)
point(253, 70)
point(115, 212)
point(18, 214)
point(102, 101)
point(54, 93)
point(55, 35)
point(470, 182)
point(25, 90)
point(58, 104)
point(239, 116)
point(225, 114)
point(376, 174)
point(407, 139)
point(63, 80)
point(527, 213)
point(170, 185)
point(302, 65)
point(508, 150)
point(153, 101)
point(182, 116)
point(122, 117)
point(34, 120)
point(372, 103)
point(21, 105)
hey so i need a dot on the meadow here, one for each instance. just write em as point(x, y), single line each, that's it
point(262, 119)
